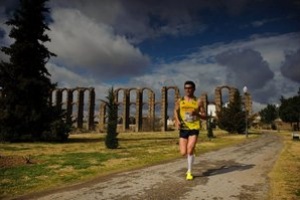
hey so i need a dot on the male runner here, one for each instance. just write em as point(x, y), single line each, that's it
point(188, 111)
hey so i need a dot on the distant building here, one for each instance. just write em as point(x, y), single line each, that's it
point(211, 110)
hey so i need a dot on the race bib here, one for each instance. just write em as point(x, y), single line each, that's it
point(188, 117)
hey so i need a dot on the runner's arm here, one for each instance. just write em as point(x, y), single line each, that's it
point(176, 113)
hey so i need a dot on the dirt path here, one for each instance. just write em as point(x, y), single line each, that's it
point(238, 172)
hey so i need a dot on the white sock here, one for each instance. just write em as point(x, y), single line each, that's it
point(190, 159)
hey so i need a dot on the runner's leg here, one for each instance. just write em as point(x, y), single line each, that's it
point(183, 146)
point(192, 140)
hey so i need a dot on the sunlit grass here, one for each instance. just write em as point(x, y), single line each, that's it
point(285, 176)
point(85, 157)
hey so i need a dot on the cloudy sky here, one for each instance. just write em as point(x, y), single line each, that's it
point(151, 43)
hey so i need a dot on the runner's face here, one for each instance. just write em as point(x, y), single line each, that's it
point(189, 90)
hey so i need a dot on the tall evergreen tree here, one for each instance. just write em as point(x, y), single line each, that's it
point(111, 140)
point(25, 111)
point(232, 118)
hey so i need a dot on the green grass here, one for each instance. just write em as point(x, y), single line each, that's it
point(85, 157)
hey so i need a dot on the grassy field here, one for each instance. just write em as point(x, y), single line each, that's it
point(285, 176)
point(84, 157)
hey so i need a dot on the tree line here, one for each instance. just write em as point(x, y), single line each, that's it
point(234, 118)
point(288, 111)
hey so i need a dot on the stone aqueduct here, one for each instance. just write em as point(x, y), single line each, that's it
point(78, 118)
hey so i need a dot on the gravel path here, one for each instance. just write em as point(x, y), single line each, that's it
point(238, 172)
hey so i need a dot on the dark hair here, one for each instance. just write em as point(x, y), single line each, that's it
point(190, 83)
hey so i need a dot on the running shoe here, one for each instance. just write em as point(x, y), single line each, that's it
point(189, 176)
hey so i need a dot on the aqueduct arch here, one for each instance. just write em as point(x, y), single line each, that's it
point(218, 96)
point(65, 97)
point(79, 103)
point(247, 100)
point(164, 104)
point(126, 102)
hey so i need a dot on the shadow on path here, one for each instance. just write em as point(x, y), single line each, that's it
point(225, 169)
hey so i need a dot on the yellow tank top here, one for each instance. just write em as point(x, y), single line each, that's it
point(188, 122)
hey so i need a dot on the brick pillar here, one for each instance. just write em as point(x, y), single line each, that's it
point(177, 94)
point(151, 110)
point(91, 121)
point(80, 102)
point(126, 105)
point(232, 92)
point(69, 106)
point(116, 95)
point(204, 100)
point(164, 106)
point(248, 101)
point(218, 99)
point(102, 115)
point(139, 110)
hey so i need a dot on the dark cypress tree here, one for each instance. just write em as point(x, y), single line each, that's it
point(25, 111)
point(111, 140)
point(232, 118)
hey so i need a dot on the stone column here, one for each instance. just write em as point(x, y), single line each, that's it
point(102, 115)
point(91, 121)
point(232, 92)
point(164, 106)
point(177, 94)
point(138, 110)
point(218, 99)
point(80, 102)
point(152, 110)
point(126, 105)
point(204, 100)
point(69, 106)
point(248, 101)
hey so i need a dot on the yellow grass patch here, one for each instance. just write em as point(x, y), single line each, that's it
point(285, 176)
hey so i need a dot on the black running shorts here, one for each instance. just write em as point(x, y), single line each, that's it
point(186, 133)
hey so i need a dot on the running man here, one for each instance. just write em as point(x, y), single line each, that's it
point(188, 111)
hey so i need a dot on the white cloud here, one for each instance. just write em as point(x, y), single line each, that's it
point(96, 41)
point(68, 79)
point(207, 74)
point(83, 44)
point(201, 67)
